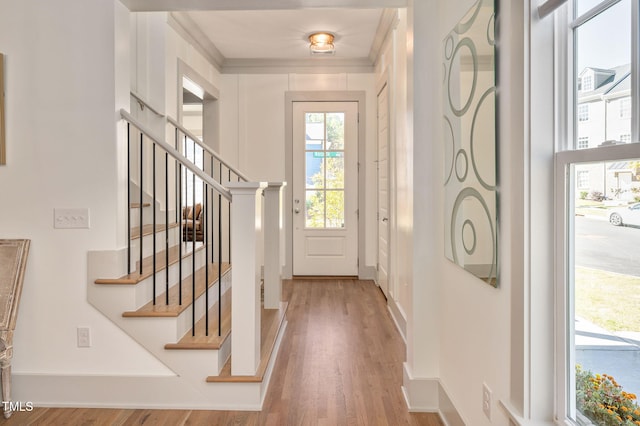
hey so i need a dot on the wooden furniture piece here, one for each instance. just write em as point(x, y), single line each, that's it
point(13, 261)
point(188, 223)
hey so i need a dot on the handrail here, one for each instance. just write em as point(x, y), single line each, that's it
point(175, 154)
point(144, 103)
point(208, 149)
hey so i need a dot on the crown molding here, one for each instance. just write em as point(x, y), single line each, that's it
point(388, 21)
point(191, 32)
point(193, 5)
point(297, 66)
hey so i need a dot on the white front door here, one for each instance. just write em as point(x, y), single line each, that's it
point(325, 188)
point(383, 190)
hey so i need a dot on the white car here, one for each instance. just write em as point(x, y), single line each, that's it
point(629, 216)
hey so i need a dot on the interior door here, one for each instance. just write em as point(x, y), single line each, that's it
point(383, 190)
point(325, 188)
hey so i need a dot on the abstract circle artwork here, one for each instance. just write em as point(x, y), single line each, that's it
point(470, 148)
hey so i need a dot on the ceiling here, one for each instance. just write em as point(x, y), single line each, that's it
point(272, 35)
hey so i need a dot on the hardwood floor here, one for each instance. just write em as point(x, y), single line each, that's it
point(340, 363)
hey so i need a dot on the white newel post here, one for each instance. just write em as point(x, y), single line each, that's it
point(272, 237)
point(245, 296)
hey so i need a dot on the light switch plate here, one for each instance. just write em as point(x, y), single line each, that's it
point(71, 218)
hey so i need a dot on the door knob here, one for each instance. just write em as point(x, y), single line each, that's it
point(385, 219)
point(296, 210)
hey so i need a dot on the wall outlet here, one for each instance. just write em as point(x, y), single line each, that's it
point(486, 400)
point(71, 218)
point(84, 337)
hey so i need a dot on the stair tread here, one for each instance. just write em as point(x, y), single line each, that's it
point(137, 205)
point(147, 264)
point(173, 309)
point(212, 341)
point(270, 323)
point(148, 229)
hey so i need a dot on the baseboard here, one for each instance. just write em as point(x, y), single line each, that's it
point(448, 411)
point(427, 395)
point(421, 394)
point(398, 318)
point(368, 273)
point(133, 392)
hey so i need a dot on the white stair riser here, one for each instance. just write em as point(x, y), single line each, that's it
point(184, 322)
point(147, 243)
point(144, 289)
point(147, 215)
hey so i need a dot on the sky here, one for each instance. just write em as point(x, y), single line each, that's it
point(604, 41)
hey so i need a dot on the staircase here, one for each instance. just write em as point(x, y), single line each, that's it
point(187, 286)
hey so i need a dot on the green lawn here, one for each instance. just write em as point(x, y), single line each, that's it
point(608, 299)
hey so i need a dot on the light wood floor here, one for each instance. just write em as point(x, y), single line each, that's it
point(340, 363)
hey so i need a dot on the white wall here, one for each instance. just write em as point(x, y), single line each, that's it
point(460, 330)
point(253, 131)
point(62, 151)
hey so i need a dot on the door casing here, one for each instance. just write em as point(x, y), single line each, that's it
point(328, 96)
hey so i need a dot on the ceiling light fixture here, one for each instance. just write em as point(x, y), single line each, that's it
point(322, 44)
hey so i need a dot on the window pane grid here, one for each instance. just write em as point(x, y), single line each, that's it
point(324, 169)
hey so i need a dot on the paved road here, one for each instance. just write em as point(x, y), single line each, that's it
point(600, 245)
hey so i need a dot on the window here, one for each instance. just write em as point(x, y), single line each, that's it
point(599, 183)
point(587, 83)
point(583, 112)
point(324, 169)
point(625, 107)
point(583, 179)
point(583, 142)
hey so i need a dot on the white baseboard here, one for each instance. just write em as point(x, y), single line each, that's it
point(368, 273)
point(398, 318)
point(427, 395)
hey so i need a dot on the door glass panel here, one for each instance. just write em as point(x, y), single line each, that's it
point(314, 130)
point(314, 209)
point(606, 288)
point(314, 169)
point(335, 170)
point(335, 209)
point(325, 169)
point(335, 130)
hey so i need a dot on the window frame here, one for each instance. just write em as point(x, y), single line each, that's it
point(566, 157)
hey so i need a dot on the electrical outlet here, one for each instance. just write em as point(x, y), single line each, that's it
point(486, 400)
point(84, 337)
point(71, 218)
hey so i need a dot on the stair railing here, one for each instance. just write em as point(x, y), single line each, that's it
point(188, 176)
point(218, 169)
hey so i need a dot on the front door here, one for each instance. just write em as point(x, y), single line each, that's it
point(325, 188)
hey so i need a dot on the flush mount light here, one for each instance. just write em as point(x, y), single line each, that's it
point(321, 43)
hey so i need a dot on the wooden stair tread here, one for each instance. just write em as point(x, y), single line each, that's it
point(138, 205)
point(147, 264)
point(270, 323)
point(148, 229)
point(212, 341)
point(173, 309)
